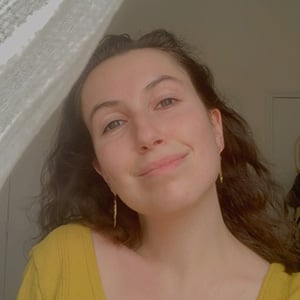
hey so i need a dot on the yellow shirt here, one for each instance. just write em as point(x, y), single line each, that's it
point(63, 266)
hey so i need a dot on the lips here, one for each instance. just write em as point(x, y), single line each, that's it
point(165, 163)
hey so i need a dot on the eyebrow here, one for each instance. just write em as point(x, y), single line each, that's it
point(149, 86)
point(108, 103)
point(161, 78)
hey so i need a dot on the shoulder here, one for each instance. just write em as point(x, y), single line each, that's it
point(60, 244)
point(69, 233)
point(61, 256)
point(281, 285)
point(294, 286)
point(63, 266)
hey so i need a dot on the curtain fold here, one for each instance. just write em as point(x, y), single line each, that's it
point(41, 55)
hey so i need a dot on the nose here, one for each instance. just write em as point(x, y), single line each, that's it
point(148, 133)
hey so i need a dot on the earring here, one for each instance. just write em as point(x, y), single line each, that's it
point(220, 172)
point(221, 176)
point(115, 210)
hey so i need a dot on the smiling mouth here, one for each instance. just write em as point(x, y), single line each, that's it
point(163, 165)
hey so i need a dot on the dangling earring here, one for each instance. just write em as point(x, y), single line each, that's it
point(220, 172)
point(115, 210)
point(221, 176)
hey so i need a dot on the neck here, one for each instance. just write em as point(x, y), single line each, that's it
point(195, 237)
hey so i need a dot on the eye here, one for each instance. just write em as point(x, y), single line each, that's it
point(113, 124)
point(166, 102)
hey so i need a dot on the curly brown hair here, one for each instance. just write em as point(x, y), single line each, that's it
point(250, 201)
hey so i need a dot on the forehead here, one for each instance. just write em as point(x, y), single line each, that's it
point(135, 66)
point(147, 57)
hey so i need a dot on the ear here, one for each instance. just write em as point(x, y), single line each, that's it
point(216, 121)
point(98, 169)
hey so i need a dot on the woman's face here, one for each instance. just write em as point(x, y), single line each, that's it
point(156, 145)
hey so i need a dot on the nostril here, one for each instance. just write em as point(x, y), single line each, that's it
point(144, 148)
point(158, 142)
point(148, 146)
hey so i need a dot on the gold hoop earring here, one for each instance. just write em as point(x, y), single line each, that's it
point(115, 210)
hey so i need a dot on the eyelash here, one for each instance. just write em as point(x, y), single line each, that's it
point(112, 125)
point(168, 101)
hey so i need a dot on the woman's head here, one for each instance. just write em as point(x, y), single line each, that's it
point(156, 145)
point(114, 48)
point(118, 112)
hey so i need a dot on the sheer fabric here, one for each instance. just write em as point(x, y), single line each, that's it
point(44, 45)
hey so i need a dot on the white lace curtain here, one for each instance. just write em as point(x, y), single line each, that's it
point(44, 45)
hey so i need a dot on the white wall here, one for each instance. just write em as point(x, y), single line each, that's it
point(253, 49)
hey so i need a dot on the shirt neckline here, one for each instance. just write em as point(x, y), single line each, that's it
point(98, 291)
point(275, 270)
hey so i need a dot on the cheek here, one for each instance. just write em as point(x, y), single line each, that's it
point(112, 160)
point(196, 127)
point(200, 137)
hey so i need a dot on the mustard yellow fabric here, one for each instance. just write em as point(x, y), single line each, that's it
point(278, 285)
point(63, 266)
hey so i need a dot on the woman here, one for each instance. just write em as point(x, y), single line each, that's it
point(160, 186)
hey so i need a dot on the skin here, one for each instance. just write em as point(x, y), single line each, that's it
point(158, 148)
